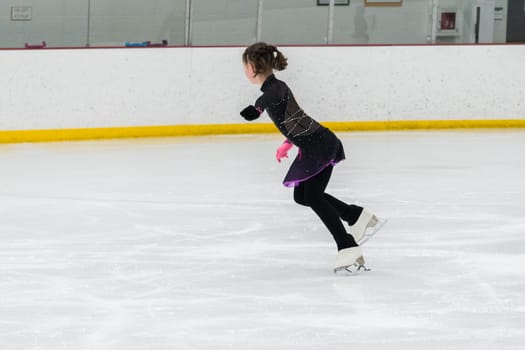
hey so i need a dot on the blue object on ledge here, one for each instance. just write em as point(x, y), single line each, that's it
point(137, 44)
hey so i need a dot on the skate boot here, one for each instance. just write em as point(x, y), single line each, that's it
point(350, 260)
point(365, 220)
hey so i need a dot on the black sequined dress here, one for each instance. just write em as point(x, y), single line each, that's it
point(318, 146)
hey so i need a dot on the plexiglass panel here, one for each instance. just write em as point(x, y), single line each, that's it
point(57, 22)
point(294, 22)
point(115, 22)
point(360, 24)
point(89, 23)
point(223, 22)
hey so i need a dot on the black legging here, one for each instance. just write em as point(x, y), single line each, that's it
point(330, 210)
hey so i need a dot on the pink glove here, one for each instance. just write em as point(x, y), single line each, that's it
point(282, 151)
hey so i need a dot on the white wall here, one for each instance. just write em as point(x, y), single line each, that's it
point(49, 89)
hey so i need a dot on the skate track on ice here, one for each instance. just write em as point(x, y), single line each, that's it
point(193, 243)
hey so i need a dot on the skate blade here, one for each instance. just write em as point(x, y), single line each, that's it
point(358, 266)
point(373, 230)
point(351, 269)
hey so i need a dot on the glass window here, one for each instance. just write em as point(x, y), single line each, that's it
point(409, 23)
point(57, 22)
point(294, 22)
point(113, 23)
point(223, 22)
point(80, 23)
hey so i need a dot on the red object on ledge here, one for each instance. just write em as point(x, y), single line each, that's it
point(36, 46)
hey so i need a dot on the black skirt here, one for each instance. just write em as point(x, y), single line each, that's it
point(316, 152)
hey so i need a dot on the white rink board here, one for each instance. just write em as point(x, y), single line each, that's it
point(87, 88)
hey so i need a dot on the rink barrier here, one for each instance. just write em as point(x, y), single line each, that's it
point(23, 136)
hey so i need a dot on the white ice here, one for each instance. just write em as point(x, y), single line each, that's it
point(193, 243)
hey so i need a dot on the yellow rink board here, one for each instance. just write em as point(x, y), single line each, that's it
point(19, 136)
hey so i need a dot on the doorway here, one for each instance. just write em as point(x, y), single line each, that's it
point(516, 21)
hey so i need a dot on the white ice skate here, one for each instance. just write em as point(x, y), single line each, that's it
point(365, 221)
point(350, 260)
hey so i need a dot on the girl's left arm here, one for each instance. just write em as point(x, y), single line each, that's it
point(253, 112)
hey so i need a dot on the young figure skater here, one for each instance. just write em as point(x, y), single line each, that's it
point(319, 151)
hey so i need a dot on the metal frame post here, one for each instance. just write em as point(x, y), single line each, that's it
point(331, 13)
point(187, 39)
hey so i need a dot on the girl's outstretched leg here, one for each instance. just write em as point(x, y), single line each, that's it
point(348, 212)
point(359, 218)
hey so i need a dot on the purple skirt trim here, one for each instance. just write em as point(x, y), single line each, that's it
point(295, 183)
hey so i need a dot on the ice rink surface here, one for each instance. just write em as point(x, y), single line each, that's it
point(193, 243)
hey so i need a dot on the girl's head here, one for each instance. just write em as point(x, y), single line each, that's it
point(260, 59)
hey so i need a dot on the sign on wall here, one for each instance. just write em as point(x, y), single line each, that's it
point(21, 13)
